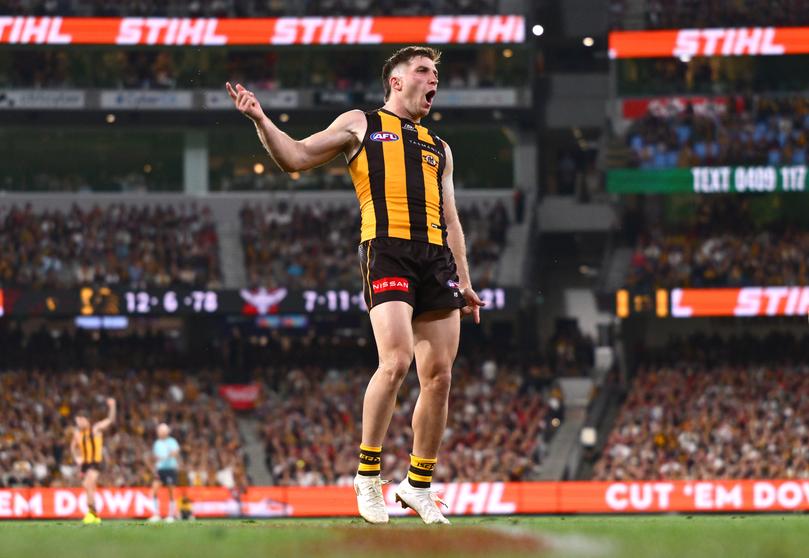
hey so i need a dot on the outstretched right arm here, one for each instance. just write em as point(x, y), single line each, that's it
point(343, 135)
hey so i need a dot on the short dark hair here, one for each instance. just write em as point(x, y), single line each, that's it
point(405, 54)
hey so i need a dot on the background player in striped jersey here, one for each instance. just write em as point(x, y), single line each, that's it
point(412, 256)
point(87, 447)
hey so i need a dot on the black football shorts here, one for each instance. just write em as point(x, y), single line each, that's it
point(421, 274)
point(87, 466)
point(168, 477)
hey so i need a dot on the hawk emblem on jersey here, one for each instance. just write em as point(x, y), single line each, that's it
point(384, 136)
point(430, 160)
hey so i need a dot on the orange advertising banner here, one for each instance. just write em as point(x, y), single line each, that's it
point(687, 43)
point(461, 498)
point(28, 30)
point(745, 301)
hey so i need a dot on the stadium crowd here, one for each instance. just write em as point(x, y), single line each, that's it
point(721, 246)
point(503, 411)
point(36, 424)
point(762, 130)
point(704, 408)
point(242, 8)
point(327, 73)
point(325, 240)
point(500, 420)
point(734, 75)
point(698, 14)
point(118, 245)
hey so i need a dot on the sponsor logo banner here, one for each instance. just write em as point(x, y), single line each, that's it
point(390, 284)
point(664, 107)
point(241, 397)
point(709, 180)
point(502, 97)
point(481, 29)
point(467, 498)
point(687, 43)
point(280, 99)
point(19, 99)
point(146, 100)
point(746, 301)
point(470, 98)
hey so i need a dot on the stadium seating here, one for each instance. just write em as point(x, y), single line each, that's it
point(704, 408)
point(678, 14)
point(120, 245)
point(499, 424)
point(36, 421)
point(501, 411)
point(250, 8)
point(721, 246)
point(258, 70)
point(323, 251)
point(758, 131)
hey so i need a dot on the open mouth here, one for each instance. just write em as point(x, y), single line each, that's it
point(429, 96)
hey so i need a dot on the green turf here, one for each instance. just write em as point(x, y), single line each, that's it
point(770, 536)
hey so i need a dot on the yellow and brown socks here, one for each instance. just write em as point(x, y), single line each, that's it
point(370, 461)
point(420, 474)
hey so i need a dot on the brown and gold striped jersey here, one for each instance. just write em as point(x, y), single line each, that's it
point(397, 174)
point(92, 446)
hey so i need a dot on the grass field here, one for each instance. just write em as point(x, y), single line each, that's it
point(770, 536)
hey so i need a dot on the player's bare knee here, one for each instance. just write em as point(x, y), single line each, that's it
point(393, 369)
point(438, 380)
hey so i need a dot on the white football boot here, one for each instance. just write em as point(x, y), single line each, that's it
point(423, 501)
point(370, 501)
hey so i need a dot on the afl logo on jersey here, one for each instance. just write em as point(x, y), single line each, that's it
point(384, 136)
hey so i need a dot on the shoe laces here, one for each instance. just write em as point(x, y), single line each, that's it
point(434, 496)
point(435, 511)
point(371, 491)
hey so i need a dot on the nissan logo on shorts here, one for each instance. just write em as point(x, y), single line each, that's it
point(384, 136)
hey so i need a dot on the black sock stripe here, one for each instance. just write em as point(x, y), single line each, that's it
point(422, 472)
point(369, 473)
point(418, 484)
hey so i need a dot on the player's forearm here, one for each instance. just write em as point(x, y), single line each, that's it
point(457, 243)
point(283, 149)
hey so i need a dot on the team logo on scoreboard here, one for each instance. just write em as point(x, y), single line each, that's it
point(384, 136)
point(262, 301)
